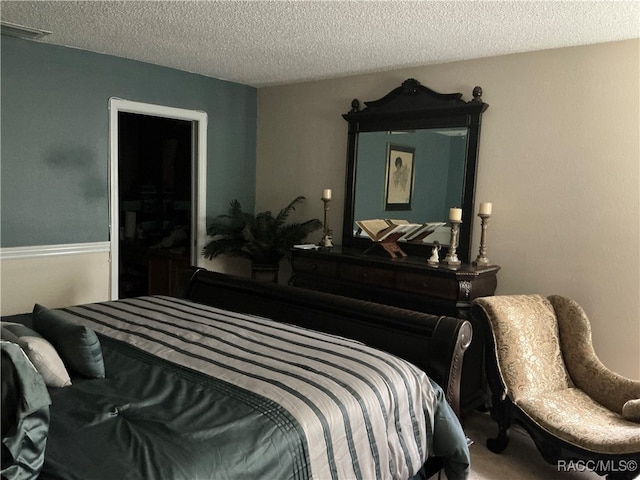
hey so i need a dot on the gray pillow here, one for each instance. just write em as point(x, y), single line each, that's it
point(42, 354)
point(77, 344)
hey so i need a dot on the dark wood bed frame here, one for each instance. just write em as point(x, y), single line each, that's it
point(435, 344)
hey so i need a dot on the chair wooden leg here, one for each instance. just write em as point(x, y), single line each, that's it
point(498, 444)
point(500, 412)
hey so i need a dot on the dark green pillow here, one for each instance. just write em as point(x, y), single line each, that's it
point(77, 345)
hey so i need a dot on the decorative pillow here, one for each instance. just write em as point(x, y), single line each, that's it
point(78, 345)
point(631, 410)
point(41, 353)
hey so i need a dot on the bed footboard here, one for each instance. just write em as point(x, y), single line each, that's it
point(436, 344)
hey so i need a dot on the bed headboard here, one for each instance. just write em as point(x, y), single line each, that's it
point(436, 344)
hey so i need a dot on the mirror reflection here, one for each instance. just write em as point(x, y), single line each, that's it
point(411, 175)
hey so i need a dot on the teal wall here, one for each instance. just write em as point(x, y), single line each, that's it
point(438, 169)
point(54, 162)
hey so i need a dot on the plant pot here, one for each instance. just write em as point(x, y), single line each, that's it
point(264, 273)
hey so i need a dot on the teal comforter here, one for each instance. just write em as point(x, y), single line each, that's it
point(152, 419)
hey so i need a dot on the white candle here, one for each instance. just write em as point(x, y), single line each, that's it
point(455, 214)
point(326, 194)
point(485, 209)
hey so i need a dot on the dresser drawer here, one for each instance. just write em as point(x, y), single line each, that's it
point(372, 276)
point(314, 265)
point(428, 285)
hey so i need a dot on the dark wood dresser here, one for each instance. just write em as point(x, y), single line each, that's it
point(410, 283)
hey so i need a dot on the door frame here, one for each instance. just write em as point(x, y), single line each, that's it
point(198, 177)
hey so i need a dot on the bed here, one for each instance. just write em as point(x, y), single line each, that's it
point(242, 379)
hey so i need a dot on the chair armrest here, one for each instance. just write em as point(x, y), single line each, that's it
point(606, 387)
point(585, 368)
point(631, 410)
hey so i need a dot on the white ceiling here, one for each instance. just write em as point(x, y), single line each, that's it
point(271, 42)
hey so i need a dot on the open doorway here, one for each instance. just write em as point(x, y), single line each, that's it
point(154, 200)
point(157, 204)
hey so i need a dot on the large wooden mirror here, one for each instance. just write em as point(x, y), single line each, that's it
point(412, 155)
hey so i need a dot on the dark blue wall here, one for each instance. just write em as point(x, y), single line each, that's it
point(55, 138)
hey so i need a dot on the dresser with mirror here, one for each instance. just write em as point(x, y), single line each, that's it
point(411, 156)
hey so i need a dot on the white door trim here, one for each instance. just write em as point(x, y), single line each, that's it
point(199, 176)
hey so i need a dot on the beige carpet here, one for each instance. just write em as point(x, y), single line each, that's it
point(519, 461)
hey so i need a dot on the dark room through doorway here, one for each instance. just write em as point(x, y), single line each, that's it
point(155, 157)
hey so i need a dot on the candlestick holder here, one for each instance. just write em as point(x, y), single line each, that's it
point(326, 237)
point(452, 256)
point(482, 260)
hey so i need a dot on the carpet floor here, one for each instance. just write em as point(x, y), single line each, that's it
point(519, 461)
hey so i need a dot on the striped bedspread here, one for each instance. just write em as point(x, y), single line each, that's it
point(365, 414)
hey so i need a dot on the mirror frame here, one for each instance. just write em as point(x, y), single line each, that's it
point(409, 107)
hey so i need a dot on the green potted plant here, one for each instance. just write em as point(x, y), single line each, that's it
point(261, 238)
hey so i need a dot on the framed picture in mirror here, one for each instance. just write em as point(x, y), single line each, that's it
point(399, 177)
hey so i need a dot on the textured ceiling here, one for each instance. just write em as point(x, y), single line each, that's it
point(267, 42)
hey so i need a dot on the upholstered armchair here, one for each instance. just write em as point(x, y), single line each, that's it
point(545, 376)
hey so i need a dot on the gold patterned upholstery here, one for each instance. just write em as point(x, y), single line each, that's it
point(549, 370)
point(576, 418)
point(586, 370)
point(526, 339)
point(631, 410)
